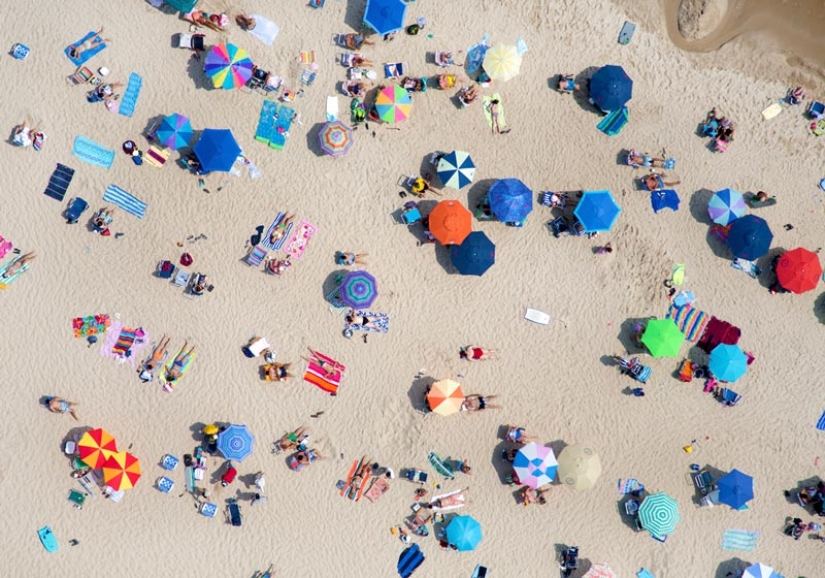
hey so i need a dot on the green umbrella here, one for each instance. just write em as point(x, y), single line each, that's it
point(659, 514)
point(579, 467)
point(663, 338)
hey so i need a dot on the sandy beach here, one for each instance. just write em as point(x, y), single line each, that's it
point(558, 381)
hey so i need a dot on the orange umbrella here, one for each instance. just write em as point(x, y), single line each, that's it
point(95, 447)
point(445, 397)
point(121, 471)
point(450, 222)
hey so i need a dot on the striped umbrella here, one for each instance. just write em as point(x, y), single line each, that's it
point(393, 104)
point(600, 571)
point(335, 138)
point(121, 471)
point(95, 447)
point(502, 62)
point(175, 131)
point(228, 66)
point(726, 206)
point(535, 465)
point(456, 169)
point(659, 514)
point(759, 570)
point(358, 289)
point(445, 397)
point(236, 442)
point(579, 467)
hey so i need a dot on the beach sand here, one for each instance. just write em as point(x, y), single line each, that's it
point(554, 380)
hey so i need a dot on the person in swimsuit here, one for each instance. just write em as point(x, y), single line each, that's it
point(636, 159)
point(531, 496)
point(477, 402)
point(15, 267)
point(473, 353)
point(358, 477)
point(293, 439)
point(354, 89)
point(75, 50)
point(278, 371)
point(517, 435)
point(494, 112)
point(279, 230)
point(348, 259)
point(106, 92)
point(200, 285)
point(370, 321)
point(355, 41)
point(420, 187)
point(211, 21)
point(305, 458)
point(158, 355)
point(654, 181)
point(102, 221)
point(468, 94)
point(358, 61)
point(22, 136)
point(60, 405)
point(457, 499)
point(329, 369)
point(176, 370)
point(567, 84)
point(245, 22)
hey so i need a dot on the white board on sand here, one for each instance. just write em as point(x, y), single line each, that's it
point(537, 316)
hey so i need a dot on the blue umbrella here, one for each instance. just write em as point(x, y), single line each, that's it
point(385, 16)
point(597, 211)
point(749, 237)
point(475, 255)
point(726, 206)
point(464, 532)
point(359, 289)
point(735, 489)
point(174, 131)
point(610, 87)
point(456, 169)
point(217, 150)
point(727, 362)
point(235, 442)
point(510, 200)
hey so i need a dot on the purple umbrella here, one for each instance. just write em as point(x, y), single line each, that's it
point(359, 289)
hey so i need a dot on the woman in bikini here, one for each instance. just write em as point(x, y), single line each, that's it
point(358, 477)
point(158, 355)
point(279, 230)
point(16, 266)
point(245, 22)
point(293, 439)
point(176, 370)
point(348, 259)
point(473, 353)
point(450, 501)
point(329, 369)
point(362, 320)
point(75, 50)
point(477, 402)
point(494, 112)
point(355, 41)
point(277, 371)
point(60, 405)
point(517, 435)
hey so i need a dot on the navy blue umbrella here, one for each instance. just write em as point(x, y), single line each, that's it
point(510, 200)
point(385, 16)
point(611, 87)
point(217, 150)
point(749, 237)
point(475, 255)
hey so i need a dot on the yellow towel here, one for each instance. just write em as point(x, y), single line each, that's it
point(678, 275)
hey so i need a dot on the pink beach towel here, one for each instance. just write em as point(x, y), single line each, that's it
point(297, 244)
point(113, 345)
point(318, 377)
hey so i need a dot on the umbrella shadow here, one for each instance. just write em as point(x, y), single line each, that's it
point(582, 97)
point(502, 467)
point(442, 257)
point(767, 263)
point(417, 393)
point(332, 281)
point(194, 68)
point(354, 15)
point(197, 431)
point(699, 206)
point(427, 169)
point(477, 192)
point(732, 567)
point(819, 308)
point(627, 329)
point(312, 139)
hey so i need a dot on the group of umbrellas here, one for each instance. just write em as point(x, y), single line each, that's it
point(97, 449)
point(216, 149)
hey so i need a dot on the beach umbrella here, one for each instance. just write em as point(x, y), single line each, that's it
point(385, 16)
point(335, 138)
point(600, 571)
point(535, 465)
point(659, 514)
point(610, 87)
point(358, 289)
point(450, 222)
point(464, 532)
point(393, 104)
point(456, 169)
point(445, 397)
point(749, 237)
point(597, 211)
point(95, 447)
point(579, 467)
point(735, 489)
point(502, 62)
point(217, 150)
point(174, 131)
point(121, 471)
point(727, 362)
point(228, 66)
point(235, 442)
point(798, 270)
point(663, 338)
point(184, 6)
point(759, 570)
point(726, 206)
point(474, 255)
point(510, 200)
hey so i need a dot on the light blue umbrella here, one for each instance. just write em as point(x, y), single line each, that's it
point(597, 211)
point(464, 532)
point(726, 206)
point(727, 362)
point(385, 16)
point(235, 442)
point(735, 489)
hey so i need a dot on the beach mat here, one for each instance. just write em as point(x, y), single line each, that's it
point(59, 182)
point(820, 425)
point(265, 30)
point(318, 377)
point(300, 239)
point(125, 201)
point(280, 130)
point(739, 540)
point(256, 257)
point(169, 386)
point(86, 55)
point(626, 33)
point(613, 123)
point(90, 152)
point(382, 322)
point(379, 488)
point(129, 99)
point(276, 246)
point(345, 490)
point(266, 121)
point(409, 561)
point(502, 124)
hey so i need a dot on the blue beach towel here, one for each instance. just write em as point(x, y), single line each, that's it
point(130, 95)
point(59, 182)
point(644, 573)
point(89, 151)
point(125, 201)
point(613, 123)
point(664, 200)
point(280, 131)
point(475, 55)
point(280, 242)
point(86, 54)
point(409, 561)
point(740, 540)
point(266, 121)
point(820, 425)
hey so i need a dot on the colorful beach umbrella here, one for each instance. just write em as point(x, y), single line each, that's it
point(95, 447)
point(610, 88)
point(727, 362)
point(726, 206)
point(663, 338)
point(474, 255)
point(445, 397)
point(236, 442)
point(174, 131)
point(393, 104)
point(385, 16)
point(450, 222)
point(335, 138)
point(735, 489)
point(759, 570)
point(597, 211)
point(217, 150)
point(510, 200)
point(228, 66)
point(659, 514)
point(600, 571)
point(121, 471)
point(358, 289)
point(502, 62)
point(799, 270)
point(535, 465)
point(456, 169)
point(579, 467)
point(464, 532)
point(749, 237)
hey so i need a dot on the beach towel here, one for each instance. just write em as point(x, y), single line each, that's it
point(266, 121)
point(90, 325)
point(169, 386)
point(126, 340)
point(299, 240)
point(378, 489)
point(644, 573)
point(677, 276)
point(123, 343)
point(716, 332)
point(59, 182)
point(475, 55)
point(436, 508)
point(381, 321)
point(265, 30)
point(332, 108)
point(90, 152)
point(280, 242)
point(318, 377)
point(683, 298)
point(307, 57)
point(5, 247)
point(626, 33)
point(280, 130)
point(125, 201)
point(255, 257)
point(86, 54)
point(748, 267)
point(820, 425)
point(667, 199)
point(409, 561)
point(613, 123)
point(741, 540)
point(129, 99)
point(502, 124)
point(345, 490)
point(8, 280)
point(440, 466)
point(629, 485)
point(691, 321)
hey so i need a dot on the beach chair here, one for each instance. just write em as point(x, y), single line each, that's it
point(166, 269)
point(77, 498)
point(480, 571)
point(81, 76)
point(169, 462)
point(710, 499)
point(727, 397)
point(75, 210)
point(394, 69)
point(182, 278)
point(256, 256)
point(233, 512)
point(164, 484)
point(442, 58)
point(208, 509)
point(704, 482)
point(559, 225)
point(317, 3)
point(816, 110)
point(631, 508)
point(411, 215)
point(191, 41)
point(416, 476)
point(20, 51)
point(686, 371)
point(70, 447)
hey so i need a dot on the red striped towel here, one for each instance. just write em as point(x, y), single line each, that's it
point(317, 376)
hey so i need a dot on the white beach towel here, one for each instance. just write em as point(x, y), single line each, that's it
point(332, 108)
point(265, 30)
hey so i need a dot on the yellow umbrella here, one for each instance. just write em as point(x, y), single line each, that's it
point(579, 467)
point(502, 62)
point(445, 397)
point(96, 446)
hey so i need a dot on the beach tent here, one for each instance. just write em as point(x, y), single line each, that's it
point(735, 489)
point(579, 467)
point(182, 5)
point(798, 270)
point(217, 150)
point(450, 222)
point(385, 16)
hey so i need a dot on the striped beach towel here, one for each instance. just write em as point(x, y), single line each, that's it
point(125, 340)
point(740, 540)
point(629, 485)
point(318, 377)
point(441, 466)
point(130, 95)
point(280, 242)
point(90, 152)
point(691, 321)
point(125, 201)
point(820, 425)
point(299, 240)
point(614, 122)
point(59, 182)
point(256, 257)
point(409, 561)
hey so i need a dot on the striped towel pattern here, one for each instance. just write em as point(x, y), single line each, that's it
point(256, 257)
point(741, 540)
point(89, 151)
point(614, 122)
point(441, 466)
point(629, 485)
point(59, 182)
point(300, 239)
point(691, 321)
point(280, 242)
point(318, 377)
point(130, 95)
point(124, 342)
point(125, 201)
point(820, 425)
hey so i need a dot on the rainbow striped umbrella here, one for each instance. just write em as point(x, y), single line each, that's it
point(336, 138)
point(228, 66)
point(393, 104)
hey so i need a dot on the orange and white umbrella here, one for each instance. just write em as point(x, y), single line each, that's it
point(95, 447)
point(445, 397)
point(121, 471)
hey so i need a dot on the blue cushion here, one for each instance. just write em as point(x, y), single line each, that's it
point(20, 51)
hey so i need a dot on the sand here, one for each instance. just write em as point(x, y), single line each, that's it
point(551, 379)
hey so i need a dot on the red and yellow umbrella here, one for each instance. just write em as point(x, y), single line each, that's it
point(450, 222)
point(121, 471)
point(445, 397)
point(95, 447)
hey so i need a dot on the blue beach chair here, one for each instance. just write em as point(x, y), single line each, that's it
point(75, 210)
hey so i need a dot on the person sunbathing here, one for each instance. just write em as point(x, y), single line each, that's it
point(175, 371)
point(157, 357)
point(277, 371)
point(412, 84)
point(293, 439)
point(278, 266)
point(246, 23)
point(211, 21)
point(445, 58)
point(329, 369)
point(477, 402)
point(102, 220)
point(60, 405)
point(450, 501)
point(473, 353)
point(567, 84)
point(75, 50)
point(15, 267)
point(348, 259)
point(363, 320)
point(468, 94)
point(636, 159)
point(358, 478)
point(420, 186)
point(517, 435)
point(358, 61)
point(22, 135)
point(446, 81)
point(531, 496)
point(354, 89)
point(655, 181)
point(279, 230)
point(355, 41)
point(104, 92)
point(199, 286)
point(302, 459)
point(495, 108)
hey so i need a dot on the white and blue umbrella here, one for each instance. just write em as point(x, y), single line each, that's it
point(759, 570)
point(235, 442)
point(726, 206)
point(535, 465)
point(456, 169)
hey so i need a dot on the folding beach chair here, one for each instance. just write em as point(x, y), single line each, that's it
point(728, 397)
point(704, 482)
point(393, 69)
point(191, 41)
point(75, 210)
point(411, 216)
point(558, 226)
point(81, 76)
point(20, 51)
point(164, 484)
point(480, 572)
point(77, 498)
point(710, 500)
point(816, 110)
point(256, 256)
point(208, 509)
point(416, 476)
point(166, 269)
point(169, 462)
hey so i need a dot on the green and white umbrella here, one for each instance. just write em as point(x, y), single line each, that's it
point(659, 514)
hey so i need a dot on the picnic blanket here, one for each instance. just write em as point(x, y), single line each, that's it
point(90, 325)
point(486, 101)
point(378, 488)
point(748, 267)
point(129, 99)
point(125, 201)
point(265, 30)
point(440, 466)
point(89, 151)
point(667, 199)
point(741, 540)
point(318, 377)
point(820, 425)
point(59, 182)
point(86, 54)
point(280, 242)
point(716, 332)
point(690, 320)
point(382, 323)
point(299, 240)
point(629, 485)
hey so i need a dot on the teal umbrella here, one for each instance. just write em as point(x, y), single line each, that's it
point(659, 514)
point(464, 532)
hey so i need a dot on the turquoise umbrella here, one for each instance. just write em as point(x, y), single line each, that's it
point(727, 362)
point(659, 514)
point(464, 532)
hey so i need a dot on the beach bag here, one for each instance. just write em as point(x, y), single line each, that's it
point(413, 29)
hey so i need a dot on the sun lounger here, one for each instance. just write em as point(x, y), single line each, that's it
point(81, 76)
point(411, 216)
point(233, 512)
point(394, 69)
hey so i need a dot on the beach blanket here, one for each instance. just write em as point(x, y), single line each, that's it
point(318, 377)
point(820, 425)
point(629, 485)
point(476, 53)
point(382, 322)
point(169, 386)
point(280, 242)
point(741, 540)
point(716, 332)
point(90, 325)
point(90, 152)
point(378, 489)
point(502, 124)
point(59, 182)
point(690, 320)
point(266, 121)
point(299, 240)
point(667, 199)
point(748, 267)
point(440, 466)
point(265, 30)
point(125, 201)
point(123, 343)
point(255, 257)
point(409, 561)
point(129, 99)
point(280, 131)
point(613, 123)
point(86, 54)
